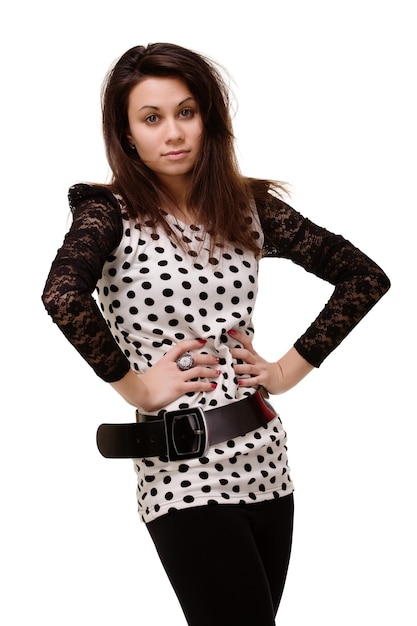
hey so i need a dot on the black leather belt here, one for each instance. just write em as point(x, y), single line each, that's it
point(185, 433)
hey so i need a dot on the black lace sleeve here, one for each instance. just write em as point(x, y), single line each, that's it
point(359, 282)
point(96, 230)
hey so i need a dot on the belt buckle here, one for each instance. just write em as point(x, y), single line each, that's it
point(186, 434)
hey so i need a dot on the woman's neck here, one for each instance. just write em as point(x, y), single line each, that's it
point(177, 201)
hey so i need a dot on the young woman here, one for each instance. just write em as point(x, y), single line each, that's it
point(172, 246)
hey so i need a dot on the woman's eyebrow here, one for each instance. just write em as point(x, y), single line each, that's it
point(156, 108)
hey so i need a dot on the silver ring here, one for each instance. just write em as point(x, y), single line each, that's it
point(185, 361)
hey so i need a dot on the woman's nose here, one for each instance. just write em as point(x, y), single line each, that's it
point(174, 130)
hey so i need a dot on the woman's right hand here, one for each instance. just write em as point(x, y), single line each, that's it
point(164, 382)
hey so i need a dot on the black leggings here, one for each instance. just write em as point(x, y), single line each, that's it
point(228, 562)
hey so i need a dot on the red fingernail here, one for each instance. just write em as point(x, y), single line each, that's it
point(213, 385)
point(232, 332)
point(202, 340)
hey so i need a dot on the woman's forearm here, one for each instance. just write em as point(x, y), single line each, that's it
point(293, 368)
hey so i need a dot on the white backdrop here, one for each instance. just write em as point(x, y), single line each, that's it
point(326, 94)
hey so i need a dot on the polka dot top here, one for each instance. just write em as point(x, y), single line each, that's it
point(152, 293)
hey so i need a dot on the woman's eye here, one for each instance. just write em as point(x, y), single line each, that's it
point(151, 119)
point(186, 113)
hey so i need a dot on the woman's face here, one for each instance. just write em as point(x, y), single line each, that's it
point(165, 127)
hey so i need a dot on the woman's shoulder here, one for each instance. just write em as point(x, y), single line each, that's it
point(80, 193)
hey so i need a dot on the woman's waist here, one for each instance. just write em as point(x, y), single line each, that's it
point(189, 432)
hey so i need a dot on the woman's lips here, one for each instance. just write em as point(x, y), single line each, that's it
point(176, 156)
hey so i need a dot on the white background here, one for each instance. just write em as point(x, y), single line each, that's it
point(326, 93)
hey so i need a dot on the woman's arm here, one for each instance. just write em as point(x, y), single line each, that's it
point(67, 296)
point(359, 282)
point(276, 377)
point(94, 234)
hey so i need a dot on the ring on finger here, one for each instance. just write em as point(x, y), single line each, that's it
point(185, 361)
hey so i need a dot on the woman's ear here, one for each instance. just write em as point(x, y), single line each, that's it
point(130, 141)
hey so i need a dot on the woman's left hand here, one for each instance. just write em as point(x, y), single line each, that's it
point(257, 371)
point(275, 377)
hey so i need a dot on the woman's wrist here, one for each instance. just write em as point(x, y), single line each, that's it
point(291, 369)
point(131, 388)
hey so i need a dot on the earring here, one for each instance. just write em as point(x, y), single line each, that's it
point(132, 147)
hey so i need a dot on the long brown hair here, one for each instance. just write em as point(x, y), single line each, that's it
point(219, 193)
